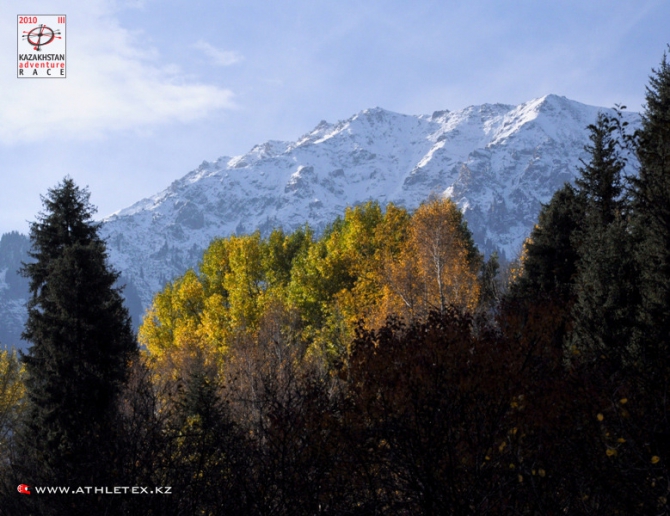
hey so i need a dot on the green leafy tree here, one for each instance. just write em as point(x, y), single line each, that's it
point(81, 344)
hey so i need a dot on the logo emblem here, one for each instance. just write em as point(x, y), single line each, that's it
point(40, 46)
point(40, 36)
point(23, 489)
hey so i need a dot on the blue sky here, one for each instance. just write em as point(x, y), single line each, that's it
point(156, 87)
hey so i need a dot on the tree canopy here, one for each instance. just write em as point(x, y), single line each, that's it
point(81, 343)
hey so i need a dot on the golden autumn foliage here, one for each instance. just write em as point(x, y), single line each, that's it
point(435, 267)
point(368, 265)
point(12, 391)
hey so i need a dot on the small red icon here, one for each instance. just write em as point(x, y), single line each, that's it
point(23, 489)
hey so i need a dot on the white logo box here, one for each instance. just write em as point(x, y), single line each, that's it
point(41, 46)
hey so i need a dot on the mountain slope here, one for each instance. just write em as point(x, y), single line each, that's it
point(14, 249)
point(498, 162)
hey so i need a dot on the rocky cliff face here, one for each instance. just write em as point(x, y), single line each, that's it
point(498, 162)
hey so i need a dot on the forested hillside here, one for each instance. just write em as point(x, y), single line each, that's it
point(383, 367)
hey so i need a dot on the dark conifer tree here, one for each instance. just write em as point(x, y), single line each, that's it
point(490, 284)
point(600, 180)
point(652, 217)
point(651, 227)
point(550, 260)
point(605, 284)
point(82, 342)
point(546, 283)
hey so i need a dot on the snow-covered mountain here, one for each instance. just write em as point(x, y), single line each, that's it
point(498, 162)
point(14, 249)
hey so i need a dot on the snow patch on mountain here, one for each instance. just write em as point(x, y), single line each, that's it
point(498, 162)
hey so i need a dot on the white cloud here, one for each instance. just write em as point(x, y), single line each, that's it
point(220, 57)
point(113, 82)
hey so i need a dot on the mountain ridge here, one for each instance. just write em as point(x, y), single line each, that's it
point(498, 162)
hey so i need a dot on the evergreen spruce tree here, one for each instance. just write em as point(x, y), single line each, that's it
point(549, 266)
point(82, 342)
point(490, 283)
point(600, 180)
point(652, 221)
point(605, 284)
point(550, 261)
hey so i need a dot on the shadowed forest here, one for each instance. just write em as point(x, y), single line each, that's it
point(384, 367)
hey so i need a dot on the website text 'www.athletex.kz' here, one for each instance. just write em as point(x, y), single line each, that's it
point(136, 490)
